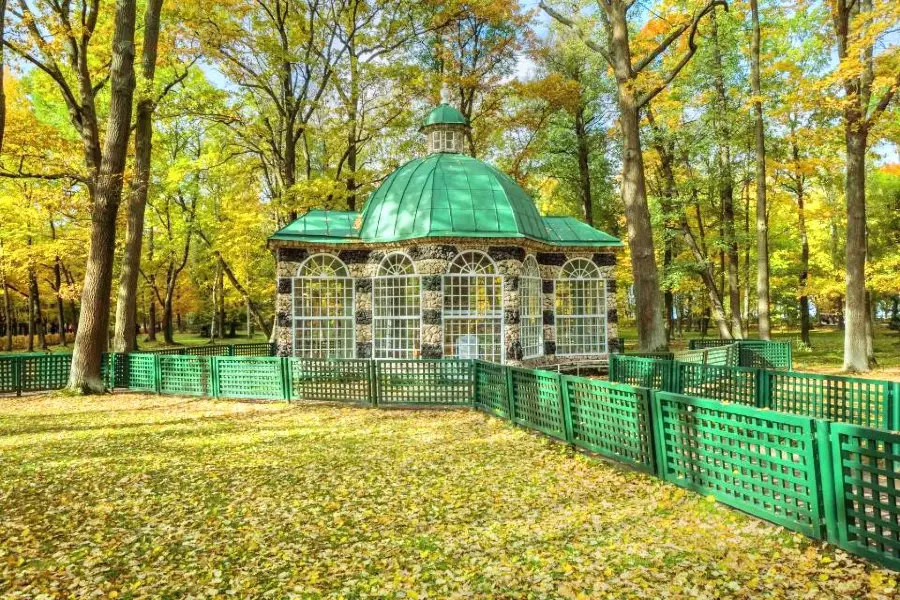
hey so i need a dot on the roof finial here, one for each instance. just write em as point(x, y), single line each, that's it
point(445, 93)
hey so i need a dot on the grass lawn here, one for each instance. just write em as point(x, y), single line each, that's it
point(162, 497)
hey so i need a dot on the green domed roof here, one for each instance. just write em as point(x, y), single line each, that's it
point(445, 114)
point(450, 195)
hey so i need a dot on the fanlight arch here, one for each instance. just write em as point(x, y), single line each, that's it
point(396, 308)
point(581, 327)
point(473, 308)
point(323, 309)
point(531, 319)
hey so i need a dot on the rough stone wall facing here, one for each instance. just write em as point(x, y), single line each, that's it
point(431, 261)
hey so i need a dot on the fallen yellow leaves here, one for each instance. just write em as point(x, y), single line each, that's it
point(149, 497)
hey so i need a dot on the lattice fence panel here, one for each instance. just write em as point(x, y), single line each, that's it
point(491, 390)
point(334, 380)
point(250, 377)
point(703, 343)
point(142, 372)
point(611, 419)
point(863, 402)
point(729, 384)
point(761, 462)
point(9, 379)
point(537, 401)
point(211, 350)
point(642, 372)
point(185, 375)
point(763, 354)
point(164, 351)
point(44, 372)
point(257, 349)
point(867, 487)
point(441, 382)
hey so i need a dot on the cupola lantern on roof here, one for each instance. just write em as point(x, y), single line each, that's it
point(445, 129)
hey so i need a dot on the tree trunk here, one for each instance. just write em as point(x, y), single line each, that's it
point(220, 307)
point(60, 308)
point(2, 70)
point(91, 339)
point(37, 314)
point(30, 344)
point(151, 328)
point(800, 191)
point(649, 310)
point(8, 315)
point(762, 221)
point(584, 170)
point(746, 310)
point(125, 338)
point(215, 291)
point(855, 355)
point(870, 329)
point(715, 299)
point(254, 309)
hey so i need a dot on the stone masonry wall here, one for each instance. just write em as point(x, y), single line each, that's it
point(431, 261)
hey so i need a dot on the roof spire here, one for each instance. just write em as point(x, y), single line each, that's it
point(445, 93)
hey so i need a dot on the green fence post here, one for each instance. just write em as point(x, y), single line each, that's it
point(566, 408)
point(645, 394)
point(790, 356)
point(472, 367)
point(214, 376)
point(762, 384)
point(658, 433)
point(510, 398)
point(894, 407)
point(825, 468)
point(17, 374)
point(287, 380)
point(157, 374)
point(374, 382)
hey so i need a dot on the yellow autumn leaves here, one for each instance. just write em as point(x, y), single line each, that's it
point(132, 496)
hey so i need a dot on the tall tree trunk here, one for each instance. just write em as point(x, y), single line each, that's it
point(746, 309)
point(870, 329)
point(762, 220)
point(30, 343)
point(151, 328)
point(91, 339)
point(2, 71)
point(37, 316)
point(125, 338)
point(649, 310)
point(855, 317)
point(800, 191)
point(220, 307)
point(584, 169)
point(8, 315)
point(60, 308)
point(726, 189)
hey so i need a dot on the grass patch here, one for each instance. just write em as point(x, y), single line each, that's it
point(134, 496)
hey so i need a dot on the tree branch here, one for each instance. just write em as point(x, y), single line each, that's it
point(571, 24)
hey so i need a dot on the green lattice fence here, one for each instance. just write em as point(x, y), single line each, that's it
point(142, 372)
point(185, 375)
point(729, 384)
point(334, 380)
point(761, 462)
point(422, 382)
point(163, 352)
point(256, 349)
point(537, 401)
point(611, 419)
point(210, 350)
point(766, 355)
point(491, 388)
point(9, 375)
point(690, 356)
point(44, 372)
point(866, 470)
point(249, 377)
point(703, 343)
point(866, 402)
point(642, 372)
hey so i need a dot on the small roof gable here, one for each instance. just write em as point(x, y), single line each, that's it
point(321, 226)
point(569, 231)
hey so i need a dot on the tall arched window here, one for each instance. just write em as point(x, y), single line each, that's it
point(323, 309)
point(580, 309)
point(473, 308)
point(531, 328)
point(397, 308)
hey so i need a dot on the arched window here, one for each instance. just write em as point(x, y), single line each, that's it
point(580, 309)
point(473, 308)
point(323, 309)
point(531, 328)
point(397, 308)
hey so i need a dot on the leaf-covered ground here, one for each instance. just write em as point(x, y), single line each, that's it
point(151, 497)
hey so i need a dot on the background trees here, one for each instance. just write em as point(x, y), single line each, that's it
point(726, 145)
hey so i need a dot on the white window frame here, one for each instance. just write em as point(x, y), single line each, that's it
point(465, 322)
point(320, 322)
point(393, 282)
point(531, 326)
point(578, 347)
